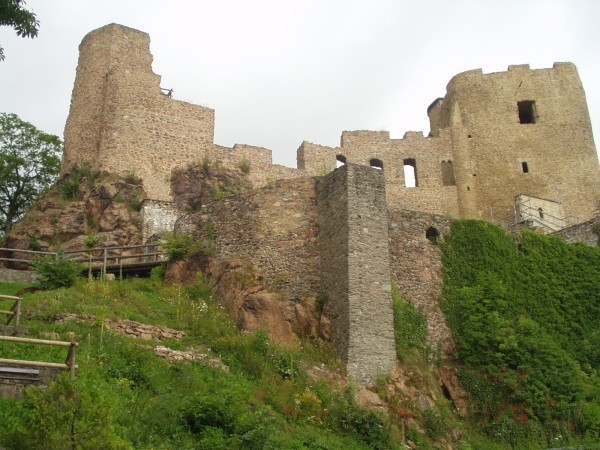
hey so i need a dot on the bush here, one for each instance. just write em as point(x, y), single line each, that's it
point(69, 189)
point(55, 272)
point(66, 416)
point(179, 246)
point(245, 166)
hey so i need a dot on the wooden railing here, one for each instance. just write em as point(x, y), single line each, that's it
point(13, 313)
point(69, 362)
point(99, 257)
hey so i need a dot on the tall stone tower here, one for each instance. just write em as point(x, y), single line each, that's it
point(120, 121)
point(522, 132)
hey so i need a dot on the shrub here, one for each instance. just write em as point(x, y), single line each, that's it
point(66, 416)
point(131, 178)
point(34, 243)
point(178, 246)
point(69, 189)
point(54, 272)
point(90, 241)
point(245, 166)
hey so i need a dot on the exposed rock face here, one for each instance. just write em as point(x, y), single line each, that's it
point(239, 287)
point(195, 186)
point(104, 206)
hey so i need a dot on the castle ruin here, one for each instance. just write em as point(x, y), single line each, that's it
point(510, 147)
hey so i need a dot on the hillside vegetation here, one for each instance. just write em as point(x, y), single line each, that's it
point(525, 315)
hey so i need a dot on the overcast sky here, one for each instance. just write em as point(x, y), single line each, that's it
point(278, 72)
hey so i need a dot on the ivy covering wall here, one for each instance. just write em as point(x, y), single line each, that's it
point(525, 315)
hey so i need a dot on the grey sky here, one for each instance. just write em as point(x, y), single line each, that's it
point(279, 72)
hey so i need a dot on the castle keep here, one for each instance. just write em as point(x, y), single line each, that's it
point(510, 147)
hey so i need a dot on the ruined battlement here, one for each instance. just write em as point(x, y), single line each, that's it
point(493, 136)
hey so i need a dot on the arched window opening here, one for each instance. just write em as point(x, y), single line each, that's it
point(376, 163)
point(432, 234)
point(448, 174)
point(410, 173)
point(340, 160)
point(541, 213)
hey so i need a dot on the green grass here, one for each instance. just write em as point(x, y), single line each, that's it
point(126, 397)
point(8, 288)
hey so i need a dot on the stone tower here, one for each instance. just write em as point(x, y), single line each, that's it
point(120, 121)
point(521, 132)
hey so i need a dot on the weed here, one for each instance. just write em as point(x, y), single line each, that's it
point(244, 166)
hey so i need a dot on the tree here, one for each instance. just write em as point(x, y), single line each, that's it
point(29, 164)
point(13, 14)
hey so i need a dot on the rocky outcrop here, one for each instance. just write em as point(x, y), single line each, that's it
point(175, 356)
point(101, 205)
point(239, 287)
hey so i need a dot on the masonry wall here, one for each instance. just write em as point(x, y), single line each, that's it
point(354, 238)
point(491, 142)
point(273, 228)
point(416, 267)
point(585, 232)
point(121, 121)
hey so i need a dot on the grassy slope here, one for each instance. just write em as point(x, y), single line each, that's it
point(126, 397)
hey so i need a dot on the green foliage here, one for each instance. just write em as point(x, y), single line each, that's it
point(13, 14)
point(245, 166)
point(525, 320)
point(410, 326)
point(69, 189)
point(127, 397)
point(179, 246)
point(435, 423)
point(90, 241)
point(34, 243)
point(29, 164)
point(131, 178)
point(55, 272)
point(205, 165)
point(67, 415)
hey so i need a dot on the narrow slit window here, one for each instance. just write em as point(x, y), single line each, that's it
point(410, 173)
point(340, 160)
point(526, 111)
point(541, 213)
point(376, 163)
point(525, 167)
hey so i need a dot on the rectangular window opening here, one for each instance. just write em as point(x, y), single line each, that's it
point(526, 111)
point(525, 167)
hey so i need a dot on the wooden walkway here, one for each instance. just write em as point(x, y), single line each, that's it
point(125, 260)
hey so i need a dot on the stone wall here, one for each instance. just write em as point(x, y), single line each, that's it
point(17, 276)
point(416, 267)
point(520, 132)
point(585, 232)
point(120, 120)
point(273, 228)
point(471, 166)
point(355, 269)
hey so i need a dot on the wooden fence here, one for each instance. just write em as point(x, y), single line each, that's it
point(97, 258)
point(13, 313)
point(69, 362)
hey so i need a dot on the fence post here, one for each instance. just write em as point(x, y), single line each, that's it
point(71, 359)
point(105, 254)
point(17, 312)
